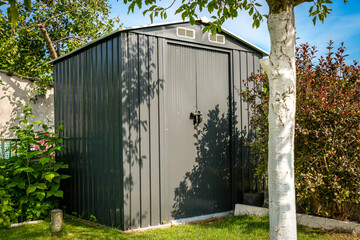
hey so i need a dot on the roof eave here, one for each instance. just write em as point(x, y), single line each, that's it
point(203, 20)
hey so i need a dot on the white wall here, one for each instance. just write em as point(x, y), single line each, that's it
point(15, 92)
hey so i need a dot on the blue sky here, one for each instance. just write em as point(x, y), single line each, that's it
point(342, 25)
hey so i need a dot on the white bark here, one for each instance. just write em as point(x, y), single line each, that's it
point(280, 68)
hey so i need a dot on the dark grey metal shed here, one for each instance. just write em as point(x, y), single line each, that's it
point(139, 153)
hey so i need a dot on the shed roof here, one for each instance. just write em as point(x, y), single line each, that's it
point(202, 20)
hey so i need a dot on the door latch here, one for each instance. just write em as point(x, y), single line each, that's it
point(196, 117)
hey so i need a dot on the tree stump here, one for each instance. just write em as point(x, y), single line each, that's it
point(57, 220)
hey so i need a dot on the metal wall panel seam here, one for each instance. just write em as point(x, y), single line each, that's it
point(154, 128)
point(160, 58)
point(107, 135)
point(125, 126)
point(69, 128)
point(244, 122)
point(231, 103)
point(235, 118)
point(91, 143)
point(85, 117)
point(120, 131)
point(79, 124)
point(104, 125)
point(143, 130)
point(149, 127)
point(111, 120)
point(139, 125)
point(98, 169)
point(75, 149)
point(117, 133)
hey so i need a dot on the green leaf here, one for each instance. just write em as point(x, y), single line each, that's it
point(21, 185)
point(30, 189)
point(49, 176)
point(11, 185)
point(41, 186)
point(59, 193)
point(37, 122)
point(64, 176)
point(192, 20)
point(13, 12)
point(40, 195)
point(55, 187)
point(26, 169)
point(27, 4)
point(60, 165)
point(43, 160)
point(2, 193)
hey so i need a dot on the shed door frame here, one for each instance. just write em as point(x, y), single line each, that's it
point(163, 46)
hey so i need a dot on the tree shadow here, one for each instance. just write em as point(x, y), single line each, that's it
point(106, 94)
point(215, 177)
point(16, 92)
point(140, 95)
point(207, 187)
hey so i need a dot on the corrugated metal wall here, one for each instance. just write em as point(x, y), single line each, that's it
point(141, 129)
point(244, 64)
point(88, 102)
point(111, 99)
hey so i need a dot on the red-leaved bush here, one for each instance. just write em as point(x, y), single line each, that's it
point(327, 140)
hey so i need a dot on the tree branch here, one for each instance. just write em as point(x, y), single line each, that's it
point(58, 15)
point(297, 2)
point(76, 37)
point(170, 5)
point(55, 16)
point(48, 40)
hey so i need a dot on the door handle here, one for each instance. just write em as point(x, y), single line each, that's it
point(196, 116)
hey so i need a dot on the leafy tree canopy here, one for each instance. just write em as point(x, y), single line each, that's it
point(222, 10)
point(24, 48)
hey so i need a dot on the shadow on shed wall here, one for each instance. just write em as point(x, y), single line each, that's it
point(140, 101)
point(207, 188)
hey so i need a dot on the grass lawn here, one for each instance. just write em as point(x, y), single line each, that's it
point(241, 227)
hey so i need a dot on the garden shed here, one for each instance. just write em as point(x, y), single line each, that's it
point(155, 127)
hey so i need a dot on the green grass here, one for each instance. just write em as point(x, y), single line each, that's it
point(229, 228)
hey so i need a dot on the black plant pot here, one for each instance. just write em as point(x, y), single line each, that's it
point(254, 199)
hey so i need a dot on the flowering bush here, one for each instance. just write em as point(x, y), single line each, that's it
point(42, 142)
point(327, 140)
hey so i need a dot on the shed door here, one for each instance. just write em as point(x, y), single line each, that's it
point(196, 169)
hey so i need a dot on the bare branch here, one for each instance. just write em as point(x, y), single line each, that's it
point(170, 5)
point(76, 37)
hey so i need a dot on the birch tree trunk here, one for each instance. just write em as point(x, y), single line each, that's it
point(280, 67)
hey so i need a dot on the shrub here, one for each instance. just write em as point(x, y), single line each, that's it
point(327, 139)
point(29, 180)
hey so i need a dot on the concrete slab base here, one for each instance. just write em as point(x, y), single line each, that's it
point(23, 223)
point(302, 219)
